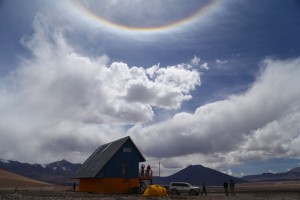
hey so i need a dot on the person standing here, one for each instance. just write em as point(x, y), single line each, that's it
point(148, 171)
point(231, 184)
point(142, 170)
point(74, 187)
point(203, 189)
point(226, 188)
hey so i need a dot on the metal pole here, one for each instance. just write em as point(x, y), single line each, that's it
point(158, 168)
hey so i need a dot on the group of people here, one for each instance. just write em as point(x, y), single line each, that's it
point(148, 171)
point(231, 186)
point(226, 184)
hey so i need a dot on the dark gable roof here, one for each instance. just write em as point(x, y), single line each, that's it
point(92, 166)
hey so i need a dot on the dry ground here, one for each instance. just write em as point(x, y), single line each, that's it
point(261, 191)
point(13, 187)
point(84, 196)
point(11, 180)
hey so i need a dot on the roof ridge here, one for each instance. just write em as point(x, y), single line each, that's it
point(103, 154)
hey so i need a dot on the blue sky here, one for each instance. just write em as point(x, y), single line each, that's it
point(206, 82)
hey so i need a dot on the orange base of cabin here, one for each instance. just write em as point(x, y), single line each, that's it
point(108, 185)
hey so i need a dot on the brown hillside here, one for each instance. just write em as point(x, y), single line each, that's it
point(8, 180)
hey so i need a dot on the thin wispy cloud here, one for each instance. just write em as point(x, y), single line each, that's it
point(204, 66)
point(221, 62)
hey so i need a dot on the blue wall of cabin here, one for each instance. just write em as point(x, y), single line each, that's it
point(127, 154)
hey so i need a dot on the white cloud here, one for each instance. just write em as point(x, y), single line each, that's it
point(221, 62)
point(260, 123)
point(204, 66)
point(195, 61)
point(171, 86)
point(63, 103)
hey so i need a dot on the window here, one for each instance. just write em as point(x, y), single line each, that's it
point(123, 172)
point(127, 150)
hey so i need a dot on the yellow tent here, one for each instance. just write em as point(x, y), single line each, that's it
point(155, 191)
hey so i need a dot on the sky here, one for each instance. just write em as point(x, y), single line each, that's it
point(209, 82)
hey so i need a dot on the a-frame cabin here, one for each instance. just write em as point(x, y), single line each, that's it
point(112, 169)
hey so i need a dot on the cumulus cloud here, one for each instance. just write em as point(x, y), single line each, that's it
point(59, 101)
point(260, 123)
point(167, 89)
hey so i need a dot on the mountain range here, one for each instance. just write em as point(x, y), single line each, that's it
point(61, 173)
point(58, 173)
point(292, 175)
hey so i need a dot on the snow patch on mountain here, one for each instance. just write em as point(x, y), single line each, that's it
point(4, 161)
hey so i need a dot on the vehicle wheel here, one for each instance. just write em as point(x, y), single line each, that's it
point(175, 192)
point(193, 193)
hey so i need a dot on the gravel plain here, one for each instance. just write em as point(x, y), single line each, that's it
point(257, 191)
point(57, 195)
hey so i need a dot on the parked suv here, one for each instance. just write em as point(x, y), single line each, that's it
point(177, 188)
